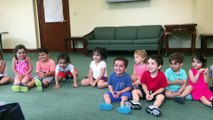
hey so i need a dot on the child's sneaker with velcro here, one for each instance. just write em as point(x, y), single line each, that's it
point(153, 110)
point(39, 85)
point(24, 88)
point(133, 104)
point(16, 88)
point(188, 97)
point(179, 99)
point(124, 109)
point(105, 106)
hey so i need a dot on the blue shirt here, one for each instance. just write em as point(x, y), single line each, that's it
point(173, 76)
point(119, 82)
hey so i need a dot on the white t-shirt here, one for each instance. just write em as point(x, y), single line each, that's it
point(69, 67)
point(96, 69)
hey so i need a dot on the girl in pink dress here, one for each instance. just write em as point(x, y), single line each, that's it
point(22, 68)
point(198, 79)
point(140, 59)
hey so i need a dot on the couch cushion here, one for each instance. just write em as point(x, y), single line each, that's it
point(104, 33)
point(120, 41)
point(146, 41)
point(149, 31)
point(126, 33)
point(99, 41)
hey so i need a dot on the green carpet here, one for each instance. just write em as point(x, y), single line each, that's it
point(81, 103)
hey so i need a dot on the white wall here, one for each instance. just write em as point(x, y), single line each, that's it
point(87, 14)
point(18, 18)
point(204, 18)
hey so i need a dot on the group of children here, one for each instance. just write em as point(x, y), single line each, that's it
point(46, 70)
point(150, 83)
point(146, 82)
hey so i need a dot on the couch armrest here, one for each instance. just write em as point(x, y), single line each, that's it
point(86, 37)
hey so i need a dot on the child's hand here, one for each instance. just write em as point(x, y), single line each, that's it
point(114, 94)
point(117, 94)
point(149, 96)
point(180, 82)
point(177, 93)
point(206, 71)
point(202, 70)
point(57, 86)
point(21, 77)
point(75, 85)
point(41, 74)
point(93, 84)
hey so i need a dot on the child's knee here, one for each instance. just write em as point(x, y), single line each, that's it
point(160, 97)
point(189, 88)
point(135, 92)
point(84, 82)
point(169, 94)
point(124, 98)
point(106, 95)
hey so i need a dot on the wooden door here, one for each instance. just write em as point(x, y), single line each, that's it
point(52, 34)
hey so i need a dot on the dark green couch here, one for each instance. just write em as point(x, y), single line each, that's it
point(126, 38)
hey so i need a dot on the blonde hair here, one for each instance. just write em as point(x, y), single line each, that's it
point(142, 53)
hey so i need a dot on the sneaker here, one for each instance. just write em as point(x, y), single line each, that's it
point(124, 109)
point(132, 104)
point(105, 106)
point(188, 97)
point(16, 88)
point(24, 88)
point(179, 99)
point(153, 110)
point(39, 85)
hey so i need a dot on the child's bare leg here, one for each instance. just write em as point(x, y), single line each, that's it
point(159, 100)
point(107, 99)
point(17, 81)
point(205, 101)
point(25, 80)
point(16, 84)
point(45, 83)
point(136, 94)
point(102, 84)
point(5, 80)
point(124, 98)
point(85, 82)
point(169, 94)
point(186, 91)
point(31, 83)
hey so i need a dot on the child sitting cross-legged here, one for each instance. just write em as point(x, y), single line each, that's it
point(177, 80)
point(119, 85)
point(153, 83)
point(198, 79)
point(45, 69)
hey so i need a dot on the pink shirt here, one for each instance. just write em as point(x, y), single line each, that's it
point(47, 66)
point(22, 66)
point(139, 70)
